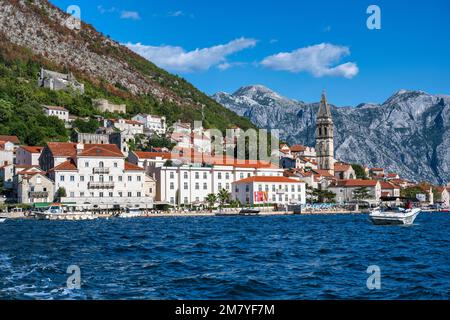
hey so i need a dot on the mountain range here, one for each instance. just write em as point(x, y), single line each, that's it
point(408, 134)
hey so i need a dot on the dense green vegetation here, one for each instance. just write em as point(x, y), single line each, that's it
point(21, 100)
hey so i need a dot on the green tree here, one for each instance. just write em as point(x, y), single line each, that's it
point(362, 193)
point(61, 193)
point(359, 171)
point(224, 197)
point(89, 126)
point(211, 200)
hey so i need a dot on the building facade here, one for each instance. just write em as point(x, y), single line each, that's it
point(34, 187)
point(104, 105)
point(101, 177)
point(56, 111)
point(59, 81)
point(259, 190)
point(152, 124)
point(28, 156)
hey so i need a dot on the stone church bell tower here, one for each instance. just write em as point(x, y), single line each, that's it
point(325, 136)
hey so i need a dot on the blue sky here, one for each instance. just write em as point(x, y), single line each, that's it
point(297, 48)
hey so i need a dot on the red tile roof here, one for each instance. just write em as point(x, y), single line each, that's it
point(69, 149)
point(12, 139)
point(341, 167)
point(298, 148)
point(99, 151)
point(32, 149)
point(324, 173)
point(357, 183)
point(69, 165)
point(388, 185)
point(267, 179)
point(132, 167)
point(152, 155)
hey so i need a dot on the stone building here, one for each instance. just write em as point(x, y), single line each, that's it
point(34, 187)
point(104, 105)
point(325, 137)
point(90, 138)
point(59, 81)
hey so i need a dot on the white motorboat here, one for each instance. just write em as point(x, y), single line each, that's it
point(57, 212)
point(2, 220)
point(399, 216)
point(131, 213)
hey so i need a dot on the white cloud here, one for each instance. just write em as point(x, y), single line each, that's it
point(178, 13)
point(179, 60)
point(103, 10)
point(133, 15)
point(319, 60)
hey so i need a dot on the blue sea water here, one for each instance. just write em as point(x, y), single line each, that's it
point(276, 257)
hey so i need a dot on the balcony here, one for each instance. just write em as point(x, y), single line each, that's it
point(101, 185)
point(38, 194)
point(101, 170)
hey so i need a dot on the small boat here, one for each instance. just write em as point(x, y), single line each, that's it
point(2, 220)
point(131, 213)
point(56, 212)
point(394, 217)
point(249, 212)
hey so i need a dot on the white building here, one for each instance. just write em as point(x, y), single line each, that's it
point(190, 178)
point(258, 190)
point(129, 127)
point(153, 124)
point(99, 175)
point(6, 152)
point(55, 111)
point(345, 189)
point(29, 156)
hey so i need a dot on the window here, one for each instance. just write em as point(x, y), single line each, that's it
point(81, 178)
point(111, 195)
point(205, 175)
point(241, 175)
point(72, 194)
point(120, 179)
point(197, 186)
point(101, 195)
point(115, 164)
point(227, 176)
point(81, 194)
point(205, 186)
point(38, 180)
point(171, 175)
point(293, 188)
point(72, 178)
point(130, 178)
point(138, 194)
point(273, 188)
point(186, 200)
point(186, 175)
point(172, 200)
point(267, 188)
point(186, 186)
point(299, 188)
point(101, 164)
point(228, 186)
point(197, 175)
point(120, 194)
point(286, 197)
point(86, 164)
point(130, 194)
point(102, 179)
point(111, 178)
point(219, 175)
point(139, 178)
point(247, 188)
point(91, 178)
point(61, 178)
point(172, 186)
point(219, 186)
point(260, 187)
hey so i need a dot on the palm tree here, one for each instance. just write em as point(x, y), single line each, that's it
point(211, 200)
point(223, 196)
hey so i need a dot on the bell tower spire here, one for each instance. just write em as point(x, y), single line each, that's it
point(325, 136)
